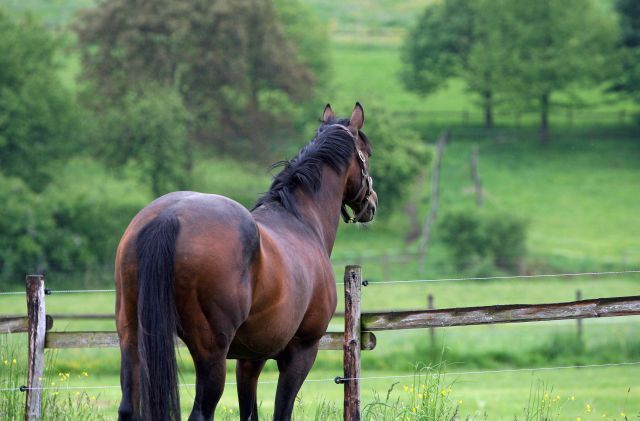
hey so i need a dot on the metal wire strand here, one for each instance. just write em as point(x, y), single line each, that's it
point(364, 378)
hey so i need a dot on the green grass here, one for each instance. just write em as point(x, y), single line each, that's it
point(579, 195)
point(608, 390)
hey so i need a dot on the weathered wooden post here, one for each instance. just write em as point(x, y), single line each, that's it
point(352, 287)
point(432, 331)
point(36, 335)
point(579, 321)
point(475, 174)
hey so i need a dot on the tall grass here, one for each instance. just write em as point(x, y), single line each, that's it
point(57, 403)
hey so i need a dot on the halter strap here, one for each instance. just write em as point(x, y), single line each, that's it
point(366, 182)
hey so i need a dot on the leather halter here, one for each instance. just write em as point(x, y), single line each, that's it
point(366, 183)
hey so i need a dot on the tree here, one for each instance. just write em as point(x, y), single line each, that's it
point(147, 135)
point(38, 117)
point(627, 81)
point(458, 38)
point(550, 51)
point(230, 60)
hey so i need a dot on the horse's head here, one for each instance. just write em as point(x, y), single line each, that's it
point(358, 191)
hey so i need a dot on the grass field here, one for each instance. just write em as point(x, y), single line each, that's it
point(580, 196)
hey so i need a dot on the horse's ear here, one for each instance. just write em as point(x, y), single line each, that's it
point(357, 117)
point(328, 114)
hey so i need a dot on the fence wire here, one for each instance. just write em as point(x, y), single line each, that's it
point(362, 378)
point(410, 281)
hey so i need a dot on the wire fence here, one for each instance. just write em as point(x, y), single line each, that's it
point(362, 378)
point(407, 281)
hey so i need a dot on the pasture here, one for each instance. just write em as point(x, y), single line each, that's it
point(579, 196)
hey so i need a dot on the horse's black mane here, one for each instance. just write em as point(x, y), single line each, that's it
point(332, 146)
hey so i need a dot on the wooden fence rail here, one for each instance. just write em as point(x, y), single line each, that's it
point(358, 333)
point(518, 313)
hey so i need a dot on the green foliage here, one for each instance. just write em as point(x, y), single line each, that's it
point(78, 406)
point(91, 209)
point(399, 156)
point(550, 51)
point(148, 133)
point(26, 229)
point(472, 235)
point(427, 397)
point(458, 38)
point(73, 226)
point(521, 52)
point(628, 78)
point(38, 118)
point(228, 59)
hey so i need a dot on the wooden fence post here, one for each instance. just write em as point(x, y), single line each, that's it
point(579, 321)
point(423, 247)
point(352, 286)
point(475, 174)
point(432, 331)
point(36, 334)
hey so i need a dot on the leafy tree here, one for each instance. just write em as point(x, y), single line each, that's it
point(231, 60)
point(147, 134)
point(38, 118)
point(91, 209)
point(25, 229)
point(628, 80)
point(459, 38)
point(557, 46)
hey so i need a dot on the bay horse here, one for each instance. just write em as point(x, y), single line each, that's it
point(238, 284)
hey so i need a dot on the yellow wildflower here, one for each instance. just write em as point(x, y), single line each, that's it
point(622, 414)
point(414, 409)
point(15, 361)
point(588, 408)
point(573, 398)
point(406, 388)
point(84, 373)
point(460, 402)
point(578, 419)
point(443, 392)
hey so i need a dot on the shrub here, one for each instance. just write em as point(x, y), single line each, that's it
point(473, 236)
point(91, 209)
point(25, 228)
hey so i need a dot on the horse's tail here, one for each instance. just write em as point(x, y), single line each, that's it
point(158, 319)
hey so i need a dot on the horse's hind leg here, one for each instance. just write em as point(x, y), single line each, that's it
point(247, 373)
point(294, 364)
point(129, 383)
point(209, 351)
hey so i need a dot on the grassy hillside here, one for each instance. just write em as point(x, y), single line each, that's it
point(580, 196)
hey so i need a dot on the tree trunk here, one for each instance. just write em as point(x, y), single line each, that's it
point(544, 119)
point(488, 109)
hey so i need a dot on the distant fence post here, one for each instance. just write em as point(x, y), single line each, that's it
point(579, 321)
point(475, 174)
point(352, 286)
point(432, 331)
point(36, 333)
